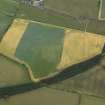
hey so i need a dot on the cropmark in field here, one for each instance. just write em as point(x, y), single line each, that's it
point(47, 49)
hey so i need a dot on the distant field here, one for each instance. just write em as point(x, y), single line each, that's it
point(47, 16)
point(102, 10)
point(43, 96)
point(75, 8)
point(5, 22)
point(47, 96)
point(59, 19)
point(7, 13)
point(41, 47)
point(8, 7)
point(12, 73)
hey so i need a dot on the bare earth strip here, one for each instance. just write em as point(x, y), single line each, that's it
point(13, 36)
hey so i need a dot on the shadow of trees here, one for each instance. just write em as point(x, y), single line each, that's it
point(65, 74)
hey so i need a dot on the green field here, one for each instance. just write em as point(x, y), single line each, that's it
point(87, 100)
point(5, 22)
point(7, 13)
point(75, 8)
point(12, 73)
point(47, 16)
point(52, 17)
point(41, 47)
point(86, 78)
point(47, 96)
point(61, 19)
point(102, 10)
point(8, 7)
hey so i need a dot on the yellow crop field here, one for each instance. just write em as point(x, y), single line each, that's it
point(80, 46)
point(10, 41)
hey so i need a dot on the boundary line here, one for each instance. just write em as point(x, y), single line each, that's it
point(100, 11)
